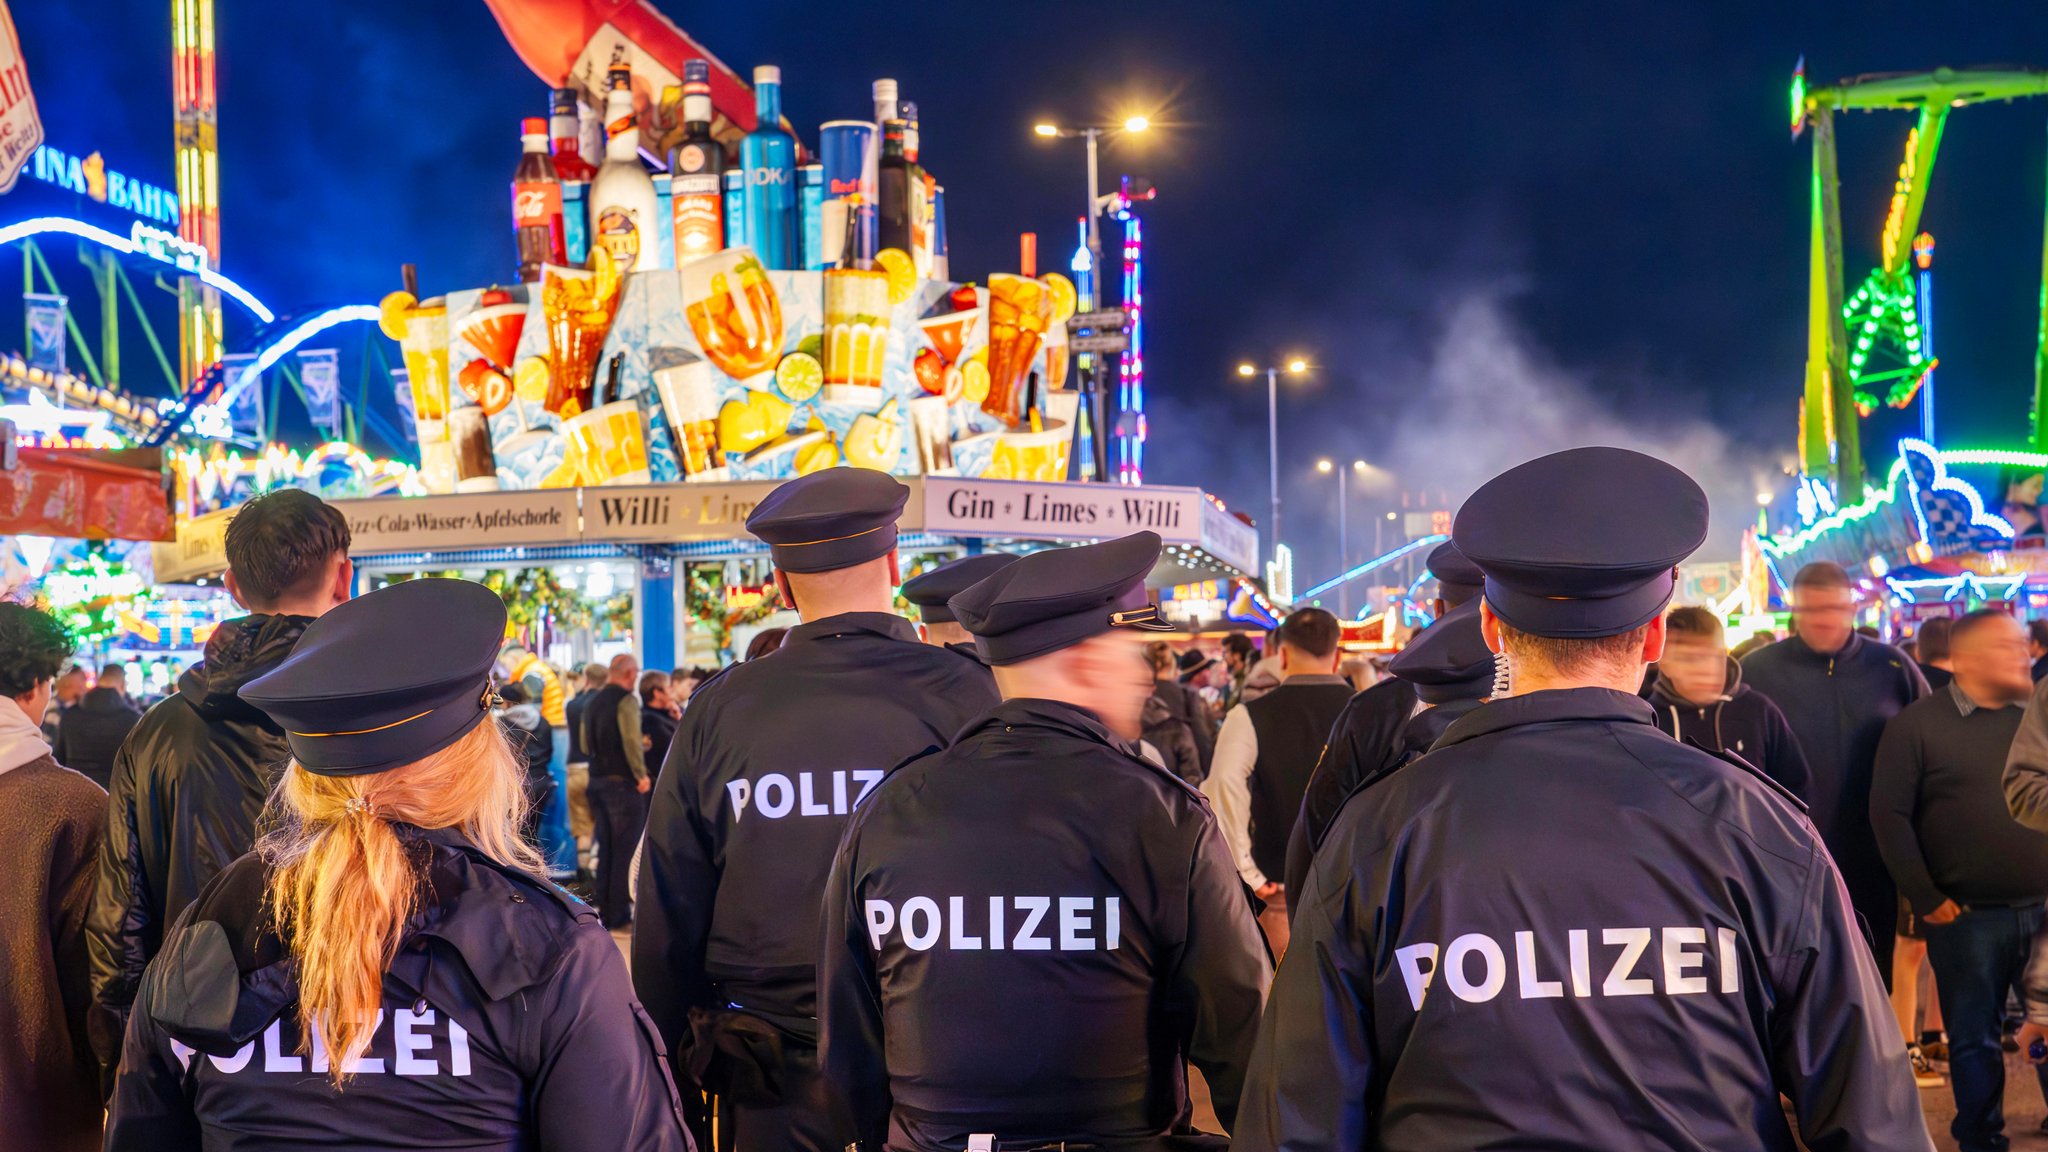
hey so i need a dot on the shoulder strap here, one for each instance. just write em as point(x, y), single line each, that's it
point(1759, 774)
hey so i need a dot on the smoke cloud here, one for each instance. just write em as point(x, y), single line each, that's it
point(1489, 399)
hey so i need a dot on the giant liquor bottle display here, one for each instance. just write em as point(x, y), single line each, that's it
point(623, 206)
point(797, 326)
point(695, 166)
point(768, 158)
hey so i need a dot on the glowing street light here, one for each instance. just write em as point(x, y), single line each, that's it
point(1046, 130)
point(1049, 131)
point(1296, 365)
point(1137, 124)
point(1358, 467)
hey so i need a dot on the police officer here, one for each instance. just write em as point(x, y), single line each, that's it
point(1561, 928)
point(1367, 737)
point(770, 759)
point(1042, 970)
point(930, 591)
point(390, 969)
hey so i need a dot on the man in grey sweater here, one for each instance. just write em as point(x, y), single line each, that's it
point(1974, 877)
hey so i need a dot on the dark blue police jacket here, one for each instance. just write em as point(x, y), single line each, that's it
point(1561, 928)
point(508, 1023)
point(1029, 935)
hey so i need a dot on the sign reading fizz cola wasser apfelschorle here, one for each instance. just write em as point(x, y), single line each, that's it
point(481, 520)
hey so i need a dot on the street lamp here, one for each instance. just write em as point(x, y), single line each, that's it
point(1358, 467)
point(1131, 125)
point(1295, 367)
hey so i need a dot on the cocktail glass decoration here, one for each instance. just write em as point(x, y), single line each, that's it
point(1019, 312)
point(689, 398)
point(493, 330)
point(423, 338)
point(578, 308)
point(734, 311)
point(856, 334)
point(949, 333)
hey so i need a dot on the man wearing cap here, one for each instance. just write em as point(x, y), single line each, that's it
point(929, 591)
point(1044, 969)
point(1367, 738)
point(1560, 927)
point(770, 759)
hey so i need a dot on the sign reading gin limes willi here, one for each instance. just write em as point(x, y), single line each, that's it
point(1030, 510)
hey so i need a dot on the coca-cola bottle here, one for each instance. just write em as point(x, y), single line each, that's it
point(537, 203)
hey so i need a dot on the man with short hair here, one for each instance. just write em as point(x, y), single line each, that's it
point(192, 777)
point(771, 758)
point(619, 783)
point(1931, 651)
point(1264, 753)
point(1700, 699)
point(581, 825)
point(1838, 689)
point(91, 733)
point(1561, 928)
point(1974, 877)
point(1030, 934)
point(658, 715)
point(70, 687)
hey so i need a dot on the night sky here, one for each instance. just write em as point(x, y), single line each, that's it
point(1497, 229)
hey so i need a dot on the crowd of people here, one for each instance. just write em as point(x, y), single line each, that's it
point(1000, 876)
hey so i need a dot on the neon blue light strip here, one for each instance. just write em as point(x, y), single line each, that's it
point(1369, 565)
point(43, 225)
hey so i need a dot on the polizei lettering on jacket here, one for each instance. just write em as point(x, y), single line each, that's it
point(1686, 960)
point(420, 1045)
point(1016, 923)
point(776, 795)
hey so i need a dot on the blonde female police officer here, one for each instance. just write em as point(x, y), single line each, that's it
point(1560, 928)
point(389, 969)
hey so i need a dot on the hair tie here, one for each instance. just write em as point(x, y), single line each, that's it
point(358, 804)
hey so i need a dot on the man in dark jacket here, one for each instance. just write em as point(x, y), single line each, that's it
point(1700, 699)
point(1183, 703)
point(1169, 736)
point(1838, 689)
point(91, 732)
point(658, 716)
point(192, 777)
point(619, 783)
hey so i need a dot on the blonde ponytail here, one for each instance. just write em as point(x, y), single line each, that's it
point(343, 884)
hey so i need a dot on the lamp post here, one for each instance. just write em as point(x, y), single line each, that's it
point(1327, 468)
point(1295, 367)
point(1131, 125)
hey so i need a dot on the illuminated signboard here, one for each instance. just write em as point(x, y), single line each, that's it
point(89, 177)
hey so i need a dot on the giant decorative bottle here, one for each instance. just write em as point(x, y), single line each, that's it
point(768, 157)
point(623, 208)
point(696, 165)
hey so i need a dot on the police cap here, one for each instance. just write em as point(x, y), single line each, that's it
point(930, 590)
point(1059, 597)
point(1457, 578)
point(386, 679)
point(1582, 543)
point(831, 519)
point(1449, 659)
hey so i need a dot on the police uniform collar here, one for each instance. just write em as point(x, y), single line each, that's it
point(881, 623)
point(1039, 713)
point(485, 913)
point(1556, 705)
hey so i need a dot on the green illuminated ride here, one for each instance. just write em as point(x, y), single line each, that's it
point(1842, 379)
